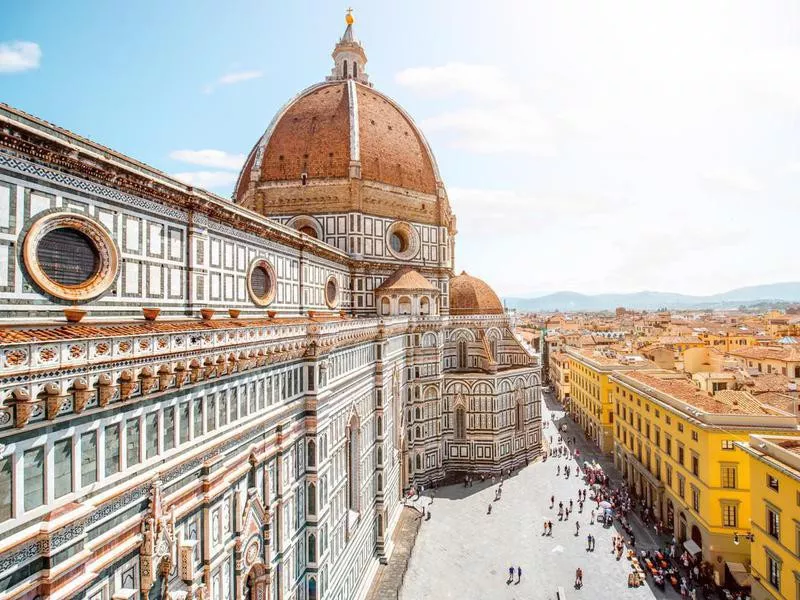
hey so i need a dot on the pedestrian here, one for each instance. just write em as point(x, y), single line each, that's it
point(511, 573)
point(549, 528)
point(570, 503)
point(544, 530)
point(519, 574)
point(592, 521)
point(552, 501)
point(489, 510)
point(580, 506)
point(558, 470)
point(578, 578)
point(588, 542)
point(577, 528)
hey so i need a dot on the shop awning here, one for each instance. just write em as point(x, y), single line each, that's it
point(692, 547)
point(740, 574)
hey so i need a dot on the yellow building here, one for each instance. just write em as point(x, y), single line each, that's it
point(676, 446)
point(559, 375)
point(775, 497)
point(590, 399)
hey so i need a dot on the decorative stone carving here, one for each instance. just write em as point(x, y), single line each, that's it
point(157, 553)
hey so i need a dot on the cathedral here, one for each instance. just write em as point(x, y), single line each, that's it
point(215, 398)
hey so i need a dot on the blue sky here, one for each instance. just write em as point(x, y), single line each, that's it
point(611, 147)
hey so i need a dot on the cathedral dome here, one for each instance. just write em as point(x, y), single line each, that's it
point(340, 129)
point(472, 296)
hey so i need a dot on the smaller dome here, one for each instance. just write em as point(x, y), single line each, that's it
point(472, 296)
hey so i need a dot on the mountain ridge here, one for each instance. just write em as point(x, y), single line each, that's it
point(568, 301)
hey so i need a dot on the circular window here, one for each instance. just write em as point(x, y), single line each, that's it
point(309, 231)
point(332, 292)
point(261, 282)
point(398, 242)
point(402, 240)
point(67, 256)
point(70, 256)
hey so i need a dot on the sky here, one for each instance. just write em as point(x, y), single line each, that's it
point(594, 147)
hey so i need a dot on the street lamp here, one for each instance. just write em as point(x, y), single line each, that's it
point(748, 536)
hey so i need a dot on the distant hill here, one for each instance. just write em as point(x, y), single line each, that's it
point(573, 301)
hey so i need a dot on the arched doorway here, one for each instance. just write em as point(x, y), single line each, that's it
point(255, 584)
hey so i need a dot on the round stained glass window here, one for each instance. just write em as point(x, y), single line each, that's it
point(261, 282)
point(331, 293)
point(68, 257)
point(398, 242)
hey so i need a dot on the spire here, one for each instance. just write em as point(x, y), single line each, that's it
point(349, 58)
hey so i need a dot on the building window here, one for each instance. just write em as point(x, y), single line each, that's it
point(353, 447)
point(669, 476)
point(5, 488)
point(151, 435)
point(112, 449)
point(774, 570)
point(462, 354)
point(727, 445)
point(729, 515)
point(461, 418)
point(772, 483)
point(681, 486)
point(668, 445)
point(88, 458)
point(62, 467)
point(34, 478)
point(695, 499)
point(695, 465)
point(694, 436)
point(680, 454)
point(774, 524)
point(728, 476)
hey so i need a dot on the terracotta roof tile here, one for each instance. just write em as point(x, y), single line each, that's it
point(406, 278)
point(472, 296)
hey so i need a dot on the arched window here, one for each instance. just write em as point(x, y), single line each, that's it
point(312, 589)
point(417, 415)
point(380, 455)
point(312, 548)
point(355, 69)
point(462, 354)
point(424, 306)
point(461, 423)
point(493, 349)
point(311, 455)
point(353, 453)
point(345, 70)
point(416, 433)
point(312, 499)
point(380, 482)
point(405, 306)
point(520, 414)
point(385, 306)
point(380, 425)
point(419, 462)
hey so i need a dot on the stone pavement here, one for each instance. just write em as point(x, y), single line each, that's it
point(389, 578)
point(463, 552)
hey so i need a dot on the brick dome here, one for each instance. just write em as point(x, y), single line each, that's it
point(340, 129)
point(472, 296)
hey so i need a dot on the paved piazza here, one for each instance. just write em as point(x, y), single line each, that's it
point(462, 552)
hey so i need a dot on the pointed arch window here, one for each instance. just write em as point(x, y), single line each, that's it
point(353, 453)
point(520, 412)
point(355, 69)
point(344, 72)
point(461, 423)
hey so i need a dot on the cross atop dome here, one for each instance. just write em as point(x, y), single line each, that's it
point(349, 58)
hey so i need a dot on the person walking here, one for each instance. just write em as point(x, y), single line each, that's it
point(519, 574)
point(577, 528)
point(589, 542)
point(592, 521)
point(510, 574)
point(558, 470)
point(578, 578)
point(552, 501)
point(489, 510)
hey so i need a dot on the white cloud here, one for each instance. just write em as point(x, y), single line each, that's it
point(501, 128)
point(737, 180)
point(16, 57)
point(486, 82)
point(498, 118)
point(217, 159)
point(207, 179)
point(232, 78)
